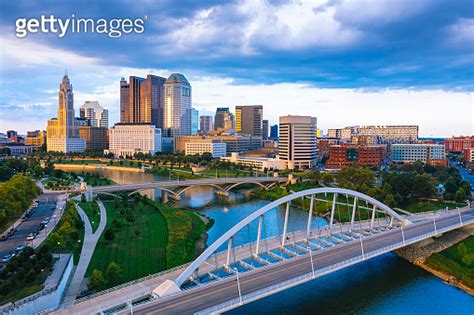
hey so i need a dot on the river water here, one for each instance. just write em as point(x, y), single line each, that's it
point(383, 285)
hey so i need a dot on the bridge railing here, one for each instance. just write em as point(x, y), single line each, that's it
point(323, 271)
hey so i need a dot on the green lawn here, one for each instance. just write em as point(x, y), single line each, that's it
point(453, 262)
point(93, 213)
point(136, 256)
point(25, 291)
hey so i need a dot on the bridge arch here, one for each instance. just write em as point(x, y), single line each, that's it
point(183, 190)
point(188, 272)
point(242, 183)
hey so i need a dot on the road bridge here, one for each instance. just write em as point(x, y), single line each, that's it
point(225, 276)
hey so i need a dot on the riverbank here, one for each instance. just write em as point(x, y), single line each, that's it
point(69, 167)
point(431, 256)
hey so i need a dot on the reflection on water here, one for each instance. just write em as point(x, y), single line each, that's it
point(382, 285)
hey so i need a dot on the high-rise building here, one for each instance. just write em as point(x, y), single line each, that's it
point(297, 141)
point(248, 120)
point(178, 108)
point(206, 124)
point(96, 137)
point(94, 114)
point(382, 134)
point(224, 120)
point(142, 99)
point(63, 132)
point(194, 121)
point(128, 139)
point(274, 132)
point(265, 129)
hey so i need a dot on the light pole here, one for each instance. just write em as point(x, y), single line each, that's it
point(238, 285)
point(460, 219)
point(434, 222)
point(403, 237)
point(312, 264)
point(362, 247)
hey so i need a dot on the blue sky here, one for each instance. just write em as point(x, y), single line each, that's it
point(345, 62)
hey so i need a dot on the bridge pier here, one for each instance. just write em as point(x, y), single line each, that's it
point(221, 193)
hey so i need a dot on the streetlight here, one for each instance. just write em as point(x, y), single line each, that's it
point(238, 285)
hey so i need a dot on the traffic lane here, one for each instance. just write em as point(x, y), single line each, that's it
point(227, 290)
point(45, 208)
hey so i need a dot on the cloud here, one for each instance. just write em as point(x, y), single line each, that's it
point(462, 32)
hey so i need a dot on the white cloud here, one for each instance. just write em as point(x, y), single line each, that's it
point(462, 32)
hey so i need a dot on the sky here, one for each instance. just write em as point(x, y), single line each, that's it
point(346, 62)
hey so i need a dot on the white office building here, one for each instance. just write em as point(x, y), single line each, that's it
point(217, 149)
point(426, 153)
point(177, 109)
point(128, 139)
point(258, 163)
point(297, 141)
point(94, 114)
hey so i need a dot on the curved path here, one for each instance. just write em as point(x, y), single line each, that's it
point(88, 247)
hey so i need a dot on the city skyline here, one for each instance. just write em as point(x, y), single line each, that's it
point(365, 78)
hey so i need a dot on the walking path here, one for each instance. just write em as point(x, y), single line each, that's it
point(90, 241)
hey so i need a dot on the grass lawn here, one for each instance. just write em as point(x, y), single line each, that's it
point(136, 256)
point(95, 179)
point(451, 261)
point(93, 213)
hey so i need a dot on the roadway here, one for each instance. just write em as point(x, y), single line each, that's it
point(46, 207)
point(464, 174)
point(215, 293)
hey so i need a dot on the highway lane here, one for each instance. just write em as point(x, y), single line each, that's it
point(46, 207)
point(215, 293)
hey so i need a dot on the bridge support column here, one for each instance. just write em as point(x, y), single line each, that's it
point(164, 197)
point(229, 249)
point(310, 216)
point(333, 207)
point(354, 207)
point(373, 216)
point(285, 225)
point(259, 233)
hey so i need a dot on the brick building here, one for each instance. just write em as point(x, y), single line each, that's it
point(343, 156)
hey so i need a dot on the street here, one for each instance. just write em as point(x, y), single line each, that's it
point(45, 208)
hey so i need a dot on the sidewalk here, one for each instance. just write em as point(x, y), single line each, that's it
point(88, 247)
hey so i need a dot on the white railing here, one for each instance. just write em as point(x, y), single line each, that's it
point(320, 272)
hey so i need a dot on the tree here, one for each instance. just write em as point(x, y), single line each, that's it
point(424, 186)
point(462, 249)
point(109, 234)
point(137, 232)
point(97, 281)
point(460, 195)
point(83, 198)
point(113, 273)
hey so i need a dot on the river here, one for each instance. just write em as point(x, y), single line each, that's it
point(383, 285)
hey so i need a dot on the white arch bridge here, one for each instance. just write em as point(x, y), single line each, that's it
point(359, 227)
point(176, 188)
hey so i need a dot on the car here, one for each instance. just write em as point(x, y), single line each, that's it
point(40, 228)
point(30, 237)
point(7, 258)
point(4, 238)
point(20, 247)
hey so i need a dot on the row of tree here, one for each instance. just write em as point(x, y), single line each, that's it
point(16, 195)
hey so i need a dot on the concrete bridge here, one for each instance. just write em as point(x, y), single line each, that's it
point(176, 188)
point(225, 276)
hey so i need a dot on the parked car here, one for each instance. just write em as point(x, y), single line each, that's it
point(21, 247)
point(4, 238)
point(30, 237)
point(7, 258)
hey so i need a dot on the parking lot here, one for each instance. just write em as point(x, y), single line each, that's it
point(44, 210)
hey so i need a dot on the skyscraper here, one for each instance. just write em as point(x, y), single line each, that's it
point(274, 132)
point(194, 121)
point(224, 120)
point(95, 115)
point(297, 141)
point(248, 119)
point(141, 100)
point(264, 129)
point(177, 109)
point(63, 132)
point(206, 124)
